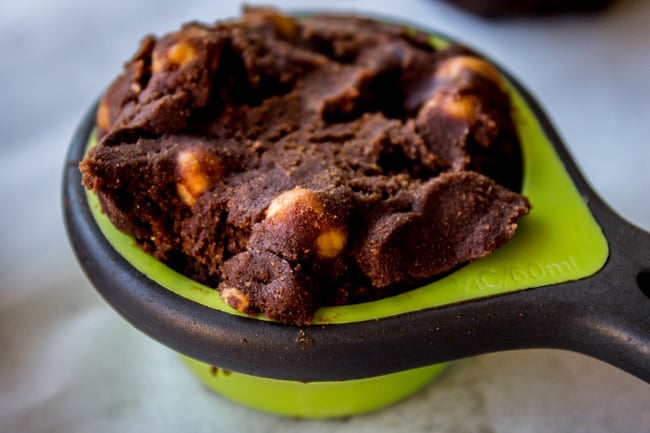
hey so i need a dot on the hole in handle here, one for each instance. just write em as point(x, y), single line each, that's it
point(643, 281)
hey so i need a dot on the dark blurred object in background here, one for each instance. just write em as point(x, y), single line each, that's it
point(508, 8)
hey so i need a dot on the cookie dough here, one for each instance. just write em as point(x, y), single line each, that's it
point(294, 163)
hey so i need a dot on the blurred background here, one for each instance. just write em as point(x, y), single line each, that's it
point(69, 363)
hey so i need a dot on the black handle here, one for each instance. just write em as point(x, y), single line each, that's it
point(608, 315)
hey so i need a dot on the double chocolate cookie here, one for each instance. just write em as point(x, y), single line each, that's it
point(294, 163)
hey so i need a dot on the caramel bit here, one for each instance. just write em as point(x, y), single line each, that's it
point(456, 106)
point(297, 199)
point(157, 64)
point(302, 215)
point(196, 169)
point(462, 107)
point(181, 53)
point(286, 26)
point(178, 54)
point(235, 298)
point(103, 115)
point(331, 243)
point(454, 67)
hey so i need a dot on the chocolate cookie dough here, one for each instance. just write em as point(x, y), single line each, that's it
point(294, 163)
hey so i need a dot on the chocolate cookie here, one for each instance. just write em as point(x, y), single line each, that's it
point(294, 163)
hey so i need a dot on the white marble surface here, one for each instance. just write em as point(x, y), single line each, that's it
point(69, 363)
